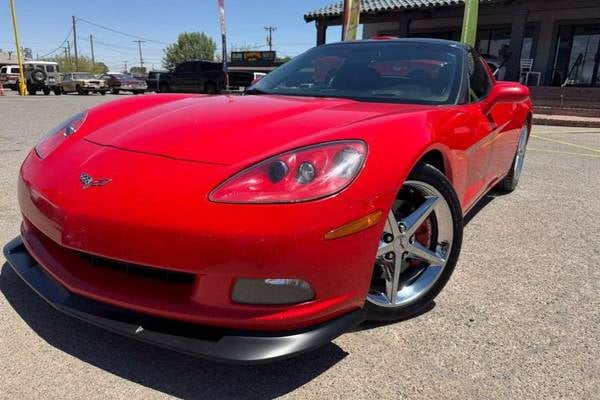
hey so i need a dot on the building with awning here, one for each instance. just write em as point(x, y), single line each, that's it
point(561, 39)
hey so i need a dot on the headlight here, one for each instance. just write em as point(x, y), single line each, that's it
point(51, 140)
point(304, 174)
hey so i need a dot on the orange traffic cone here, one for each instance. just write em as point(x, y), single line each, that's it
point(2, 90)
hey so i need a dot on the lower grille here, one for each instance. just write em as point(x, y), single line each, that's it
point(139, 270)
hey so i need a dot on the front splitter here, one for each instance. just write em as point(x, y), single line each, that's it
point(219, 344)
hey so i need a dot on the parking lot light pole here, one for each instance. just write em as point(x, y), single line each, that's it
point(22, 84)
point(469, 28)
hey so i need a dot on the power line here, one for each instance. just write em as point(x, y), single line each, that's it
point(121, 32)
point(60, 45)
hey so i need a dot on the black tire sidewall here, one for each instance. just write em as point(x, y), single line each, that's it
point(432, 176)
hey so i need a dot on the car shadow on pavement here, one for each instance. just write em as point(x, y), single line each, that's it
point(480, 205)
point(159, 369)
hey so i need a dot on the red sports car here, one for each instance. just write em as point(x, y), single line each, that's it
point(251, 228)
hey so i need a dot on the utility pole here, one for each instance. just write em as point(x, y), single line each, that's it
point(69, 55)
point(126, 71)
point(139, 42)
point(270, 29)
point(92, 47)
point(75, 43)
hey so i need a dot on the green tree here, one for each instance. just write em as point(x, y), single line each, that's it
point(66, 64)
point(138, 71)
point(189, 46)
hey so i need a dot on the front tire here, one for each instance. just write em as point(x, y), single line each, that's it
point(115, 91)
point(418, 249)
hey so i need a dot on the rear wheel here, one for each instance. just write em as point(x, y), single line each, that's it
point(46, 91)
point(115, 91)
point(163, 87)
point(510, 182)
point(418, 249)
point(103, 92)
point(31, 90)
point(57, 91)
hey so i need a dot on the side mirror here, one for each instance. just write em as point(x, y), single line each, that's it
point(507, 92)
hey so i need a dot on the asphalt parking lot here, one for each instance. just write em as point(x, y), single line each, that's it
point(519, 319)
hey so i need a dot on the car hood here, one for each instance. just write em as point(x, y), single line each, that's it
point(230, 129)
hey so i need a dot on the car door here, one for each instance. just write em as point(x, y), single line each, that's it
point(506, 121)
point(474, 134)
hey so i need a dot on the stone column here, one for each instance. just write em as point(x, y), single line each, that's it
point(513, 66)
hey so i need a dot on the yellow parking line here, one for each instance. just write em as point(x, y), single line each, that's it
point(567, 143)
point(564, 152)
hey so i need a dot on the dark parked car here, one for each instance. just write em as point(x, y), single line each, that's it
point(194, 77)
point(124, 83)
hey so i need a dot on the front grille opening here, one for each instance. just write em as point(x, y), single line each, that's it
point(140, 270)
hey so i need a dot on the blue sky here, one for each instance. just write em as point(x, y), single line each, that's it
point(44, 25)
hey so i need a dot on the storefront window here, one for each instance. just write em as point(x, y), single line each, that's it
point(577, 58)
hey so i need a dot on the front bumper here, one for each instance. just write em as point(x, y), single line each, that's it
point(224, 345)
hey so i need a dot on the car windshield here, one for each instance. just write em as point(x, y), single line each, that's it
point(380, 71)
point(83, 76)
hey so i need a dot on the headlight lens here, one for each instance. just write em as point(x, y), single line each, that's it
point(51, 140)
point(304, 174)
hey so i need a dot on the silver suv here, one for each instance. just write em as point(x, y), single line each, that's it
point(42, 75)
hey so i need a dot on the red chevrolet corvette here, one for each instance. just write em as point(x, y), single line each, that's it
point(251, 228)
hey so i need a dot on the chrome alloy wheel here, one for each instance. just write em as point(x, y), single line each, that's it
point(414, 248)
point(520, 156)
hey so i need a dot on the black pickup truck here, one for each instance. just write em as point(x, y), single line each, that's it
point(200, 77)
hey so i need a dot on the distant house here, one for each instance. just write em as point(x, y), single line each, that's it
point(560, 36)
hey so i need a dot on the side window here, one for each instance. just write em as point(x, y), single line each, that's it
point(480, 82)
point(49, 68)
point(3, 70)
point(184, 68)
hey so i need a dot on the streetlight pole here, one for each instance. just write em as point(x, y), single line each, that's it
point(22, 85)
point(469, 28)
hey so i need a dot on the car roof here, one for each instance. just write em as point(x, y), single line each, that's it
point(380, 39)
point(41, 62)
